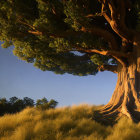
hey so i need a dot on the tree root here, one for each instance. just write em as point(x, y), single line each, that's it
point(111, 114)
point(107, 116)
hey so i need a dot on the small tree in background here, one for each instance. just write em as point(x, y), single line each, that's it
point(45, 104)
point(28, 102)
point(17, 105)
point(4, 106)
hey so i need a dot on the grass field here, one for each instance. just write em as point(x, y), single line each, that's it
point(68, 123)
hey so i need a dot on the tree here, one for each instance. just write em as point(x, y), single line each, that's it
point(13, 100)
point(4, 106)
point(80, 37)
point(52, 103)
point(28, 102)
point(16, 104)
point(45, 104)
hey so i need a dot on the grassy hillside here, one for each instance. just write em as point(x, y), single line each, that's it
point(69, 123)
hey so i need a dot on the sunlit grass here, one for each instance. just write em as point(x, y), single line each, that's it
point(67, 123)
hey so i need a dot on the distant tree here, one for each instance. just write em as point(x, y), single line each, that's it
point(12, 106)
point(28, 102)
point(19, 105)
point(52, 103)
point(16, 104)
point(3, 101)
point(4, 106)
point(12, 100)
point(45, 104)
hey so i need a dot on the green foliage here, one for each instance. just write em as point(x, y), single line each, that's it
point(45, 104)
point(19, 18)
point(67, 123)
point(99, 59)
point(77, 10)
point(47, 33)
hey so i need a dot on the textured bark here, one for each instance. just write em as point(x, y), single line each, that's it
point(126, 97)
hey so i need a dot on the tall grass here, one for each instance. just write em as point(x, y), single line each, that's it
point(67, 123)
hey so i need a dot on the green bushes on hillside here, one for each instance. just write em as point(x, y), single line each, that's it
point(67, 123)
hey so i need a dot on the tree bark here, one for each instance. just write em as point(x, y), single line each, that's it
point(126, 97)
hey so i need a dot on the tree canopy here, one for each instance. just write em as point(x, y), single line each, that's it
point(70, 36)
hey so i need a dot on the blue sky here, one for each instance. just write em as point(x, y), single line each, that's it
point(21, 79)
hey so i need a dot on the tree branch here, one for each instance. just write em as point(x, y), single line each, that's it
point(121, 61)
point(117, 21)
point(109, 37)
point(35, 32)
point(112, 68)
point(25, 23)
point(112, 53)
point(104, 12)
point(113, 10)
point(93, 16)
point(119, 56)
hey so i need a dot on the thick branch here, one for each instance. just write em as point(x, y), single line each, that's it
point(116, 20)
point(122, 62)
point(109, 37)
point(113, 10)
point(104, 12)
point(112, 53)
point(112, 68)
point(117, 55)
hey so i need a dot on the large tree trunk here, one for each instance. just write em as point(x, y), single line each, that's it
point(126, 97)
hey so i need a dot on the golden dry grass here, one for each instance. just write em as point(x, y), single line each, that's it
point(67, 123)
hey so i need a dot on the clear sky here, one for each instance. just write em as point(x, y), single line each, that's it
point(21, 79)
